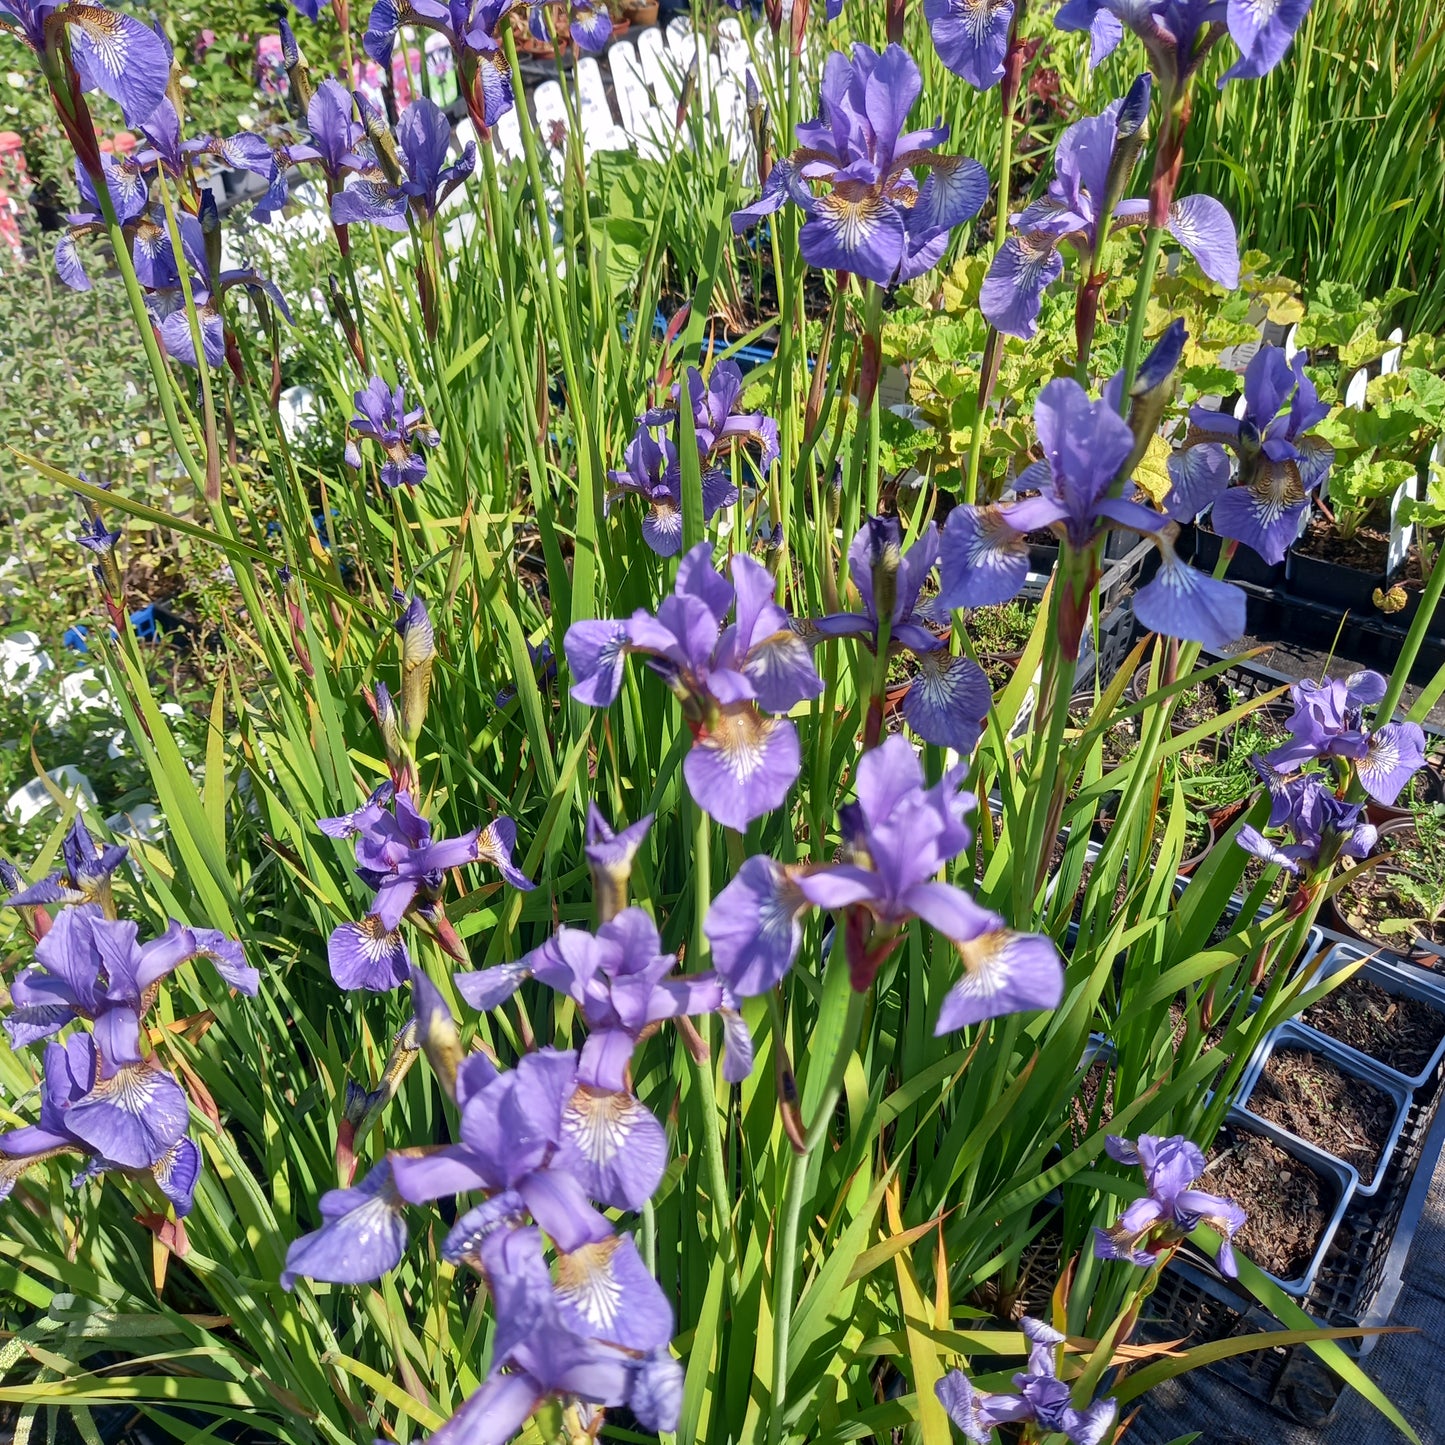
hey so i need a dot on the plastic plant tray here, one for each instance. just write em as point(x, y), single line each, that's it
point(1358, 1283)
point(1348, 1061)
point(1396, 978)
point(1342, 1176)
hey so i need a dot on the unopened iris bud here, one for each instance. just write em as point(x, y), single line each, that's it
point(357, 1102)
point(609, 856)
point(1153, 388)
point(885, 554)
point(298, 73)
point(418, 653)
point(404, 1049)
point(100, 542)
point(381, 137)
point(436, 1030)
point(211, 229)
point(689, 89)
point(1131, 131)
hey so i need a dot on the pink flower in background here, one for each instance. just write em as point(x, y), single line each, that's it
point(271, 65)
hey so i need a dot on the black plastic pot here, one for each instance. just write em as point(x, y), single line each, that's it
point(1436, 627)
point(1331, 583)
point(1244, 566)
point(1043, 557)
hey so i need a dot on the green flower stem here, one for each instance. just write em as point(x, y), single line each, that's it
point(864, 430)
point(797, 1195)
point(1000, 230)
point(703, 1068)
point(208, 399)
point(1138, 310)
point(156, 361)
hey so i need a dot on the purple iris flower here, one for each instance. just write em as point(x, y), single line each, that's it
point(382, 417)
point(151, 250)
point(336, 135)
point(720, 427)
point(1280, 463)
point(1328, 722)
point(1178, 33)
point(424, 135)
point(1171, 1210)
point(1077, 204)
point(971, 37)
point(1328, 725)
point(1043, 1400)
point(728, 679)
point(70, 1079)
point(113, 53)
point(1320, 823)
point(472, 28)
point(896, 838)
point(596, 1336)
point(651, 472)
point(589, 23)
point(552, 1142)
point(89, 965)
point(337, 144)
point(948, 700)
point(984, 549)
point(85, 876)
point(240, 152)
point(397, 857)
point(166, 301)
point(874, 220)
point(619, 979)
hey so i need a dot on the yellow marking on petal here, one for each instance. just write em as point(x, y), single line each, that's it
point(599, 1122)
point(855, 220)
point(587, 1282)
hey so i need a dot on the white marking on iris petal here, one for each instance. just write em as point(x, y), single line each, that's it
point(994, 540)
point(107, 34)
point(940, 681)
point(373, 1219)
point(740, 740)
point(1275, 492)
point(978, 14)
point(854, 221)
point(130, 1089)
point(987, 960)
point(599, 1123)
point(778, 911)
point(587, 1283)
point(1382, 758)
point(376, 943)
